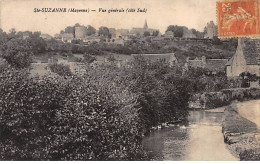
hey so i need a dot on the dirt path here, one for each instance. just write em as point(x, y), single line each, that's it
point(250, 110)
point(207, 145)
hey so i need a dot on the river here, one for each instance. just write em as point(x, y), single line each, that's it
point(200, 138)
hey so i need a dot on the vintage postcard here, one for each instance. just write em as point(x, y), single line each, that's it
point(129, 80)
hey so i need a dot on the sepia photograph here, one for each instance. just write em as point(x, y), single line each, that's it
point(130, 80)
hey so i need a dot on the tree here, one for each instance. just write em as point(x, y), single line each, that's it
point(77, 25)
point(52, 44)
point(36, 34)
point(197, 33)
point(89, 58)
point(12, 33)
point(146, 33)
point(66, 47)
point(90, 30)
point(18, 53)
point(216, 41)
point(12, 30)
point(38, 44)
point(205, 31)
point(60, 69)
point(246, 78)
point(177, 30)
point(155, 33)
point(93, 117)
point(70, 29)
point(103, 31)
point(3, 38)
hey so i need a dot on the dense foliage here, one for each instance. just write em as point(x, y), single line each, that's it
point(17, 53)
point(101, 115)
point(60, 69)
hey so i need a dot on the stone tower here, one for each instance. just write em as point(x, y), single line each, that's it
point(145, 25)
point(80, 32)
point(211, 30)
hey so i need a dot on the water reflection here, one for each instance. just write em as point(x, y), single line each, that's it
point(196, 139)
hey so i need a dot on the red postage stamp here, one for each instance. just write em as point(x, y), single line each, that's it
point(238, 18)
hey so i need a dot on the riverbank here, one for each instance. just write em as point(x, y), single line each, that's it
point(240, 134)
point(199, 139)
point(212, 100)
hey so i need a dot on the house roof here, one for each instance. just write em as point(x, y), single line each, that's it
point(166, 56)
point(67, 35)
point(195, 63)
point(46, 36)
point(211, 64)
point(142, 30)
point(251, 51)
point(216, 64)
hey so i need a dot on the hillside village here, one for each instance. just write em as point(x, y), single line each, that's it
point(119, 94)
point(192, 50)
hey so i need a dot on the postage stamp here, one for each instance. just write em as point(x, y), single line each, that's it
point(238, 18)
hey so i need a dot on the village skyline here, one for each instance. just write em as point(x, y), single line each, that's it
point(192, 14)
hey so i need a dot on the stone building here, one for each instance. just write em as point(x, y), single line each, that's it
point(169, 58)
point(246, 59)
point(212, 65)
point(122, 33)
point(26, 35)
point(140, 31)
point(46, 36)
point(169, 34)
point(80, 32)
point(211, 30)
point(90, 39)
point(112, 31)
point(67, 37)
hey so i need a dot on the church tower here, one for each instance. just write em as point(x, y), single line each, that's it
point(145, 25)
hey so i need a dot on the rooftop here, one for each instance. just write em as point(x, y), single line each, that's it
point(251, 51)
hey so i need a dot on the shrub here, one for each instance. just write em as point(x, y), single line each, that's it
point(67, 119)
point(250, 155)
point(60, 69)
point(18, 53)
point(101, 115)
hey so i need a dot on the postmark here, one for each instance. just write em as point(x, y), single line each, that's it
point(238, 18)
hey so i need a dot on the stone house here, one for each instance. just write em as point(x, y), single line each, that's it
point(169, 58)
point(140, 31)
point(46, 36)
point(246, 59)
point(169, 34)
point(212, 65)
point(67, 37)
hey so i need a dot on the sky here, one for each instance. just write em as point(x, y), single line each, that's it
point(19, 14)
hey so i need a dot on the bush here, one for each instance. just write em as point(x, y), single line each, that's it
point(60, 69)
point(225, 97)
point(67, 119)
point(102, 115)
point(250, 155)
point(18, 53)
